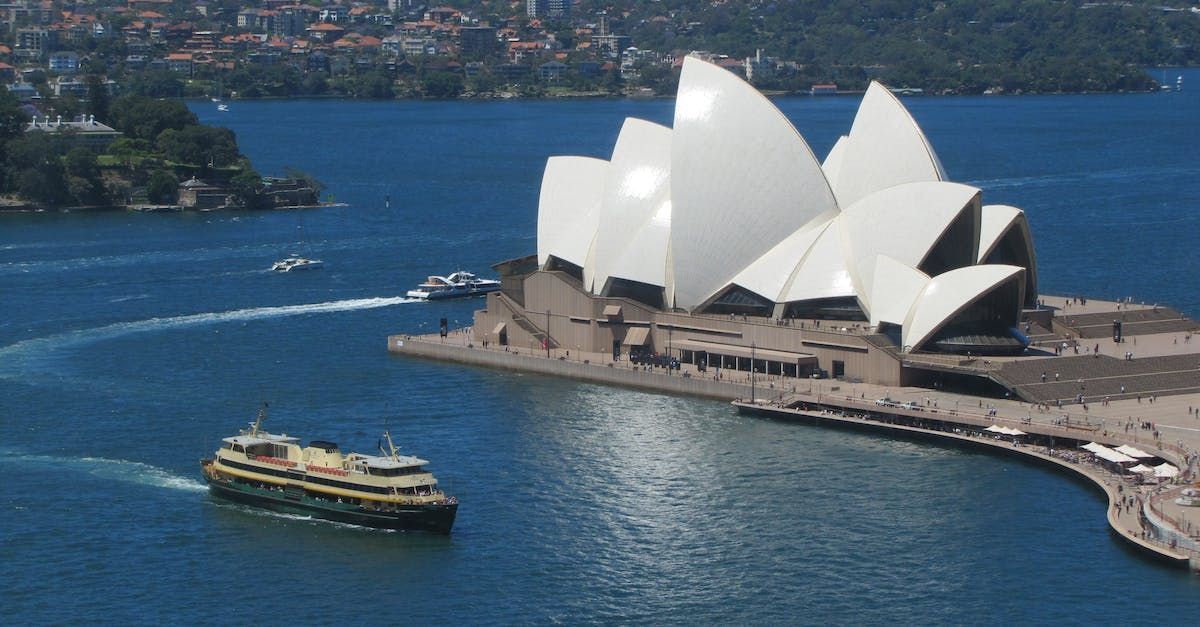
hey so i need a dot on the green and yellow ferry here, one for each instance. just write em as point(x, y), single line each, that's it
point(388, 491)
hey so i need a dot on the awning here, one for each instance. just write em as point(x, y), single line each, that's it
point(1141, 469)
point(499, 329)
point(1107, 454)
point(636, 336)
point(731, 350)
point(612, 311)
point(1165, 470)
point(1133, 452)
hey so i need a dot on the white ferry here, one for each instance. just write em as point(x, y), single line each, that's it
point(457, 285)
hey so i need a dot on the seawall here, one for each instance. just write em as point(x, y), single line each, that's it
point(832, 412)
point(1118, 526)
point(613, 374)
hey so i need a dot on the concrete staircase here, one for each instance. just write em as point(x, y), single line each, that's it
point(543, 338)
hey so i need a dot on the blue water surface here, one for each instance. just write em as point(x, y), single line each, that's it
point(131, 343)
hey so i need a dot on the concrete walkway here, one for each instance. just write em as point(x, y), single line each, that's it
point(1172, 434)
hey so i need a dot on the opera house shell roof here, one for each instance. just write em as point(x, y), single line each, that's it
point(729, 211)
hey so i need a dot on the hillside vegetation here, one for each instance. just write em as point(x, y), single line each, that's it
point(962, 46)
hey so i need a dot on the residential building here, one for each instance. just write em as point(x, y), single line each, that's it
point(477, 41)
point(552, 71)
point(548, 8)
point(180, 62)
point(84, 131)
point(65, 62)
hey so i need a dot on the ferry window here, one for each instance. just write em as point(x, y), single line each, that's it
point(238, 448)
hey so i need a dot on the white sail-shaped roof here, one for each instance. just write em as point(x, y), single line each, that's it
point(833, 161)
point(645, 259)
point(949, 293)
point(885, 148)
point(824, 271)
point(994, 222)
point(896, 288)
point(635, 223)
point(733, 196)
point(769, 274)
point(569, 208)
point(904, 222)
point(742, 179)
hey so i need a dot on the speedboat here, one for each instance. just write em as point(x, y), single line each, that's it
point(295, 264)
point(457, 285)
point(273, 471)
point(223, 107)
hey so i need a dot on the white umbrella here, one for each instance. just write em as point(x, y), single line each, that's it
point(1165, 470)
point(1133, 452)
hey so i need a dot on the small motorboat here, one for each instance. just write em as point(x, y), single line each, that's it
point(295, 264)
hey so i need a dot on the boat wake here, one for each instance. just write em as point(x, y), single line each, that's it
point(124, 299)
point(113, 469)
point(14, 357)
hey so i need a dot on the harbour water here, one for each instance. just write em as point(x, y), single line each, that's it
point(131, 343)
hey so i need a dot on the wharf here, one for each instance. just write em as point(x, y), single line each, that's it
point(1145, 516)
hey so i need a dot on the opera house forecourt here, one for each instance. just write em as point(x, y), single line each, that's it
point(720, 257)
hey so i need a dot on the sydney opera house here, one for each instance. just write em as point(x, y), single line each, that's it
point(724, 241)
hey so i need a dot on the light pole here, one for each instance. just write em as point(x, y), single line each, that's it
point(752, 347)
point(670, 358)
point(547, 334)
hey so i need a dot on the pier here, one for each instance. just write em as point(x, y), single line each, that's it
point(1159, 411)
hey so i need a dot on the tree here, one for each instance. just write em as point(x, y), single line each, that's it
point(441, 85)
point(374, 85)
point(309, 180)
point(81, 162)
point(156, 84)
point(12, 119)
point(83, 176)
point(661, 79)
point(315, 84)
point(199, 145)
point(97, 97)
point(126, 149)
point(162, 187)
point(12, 125)
point(36, 169)
point(145, 118)
point(68, 107)
point(247, 187)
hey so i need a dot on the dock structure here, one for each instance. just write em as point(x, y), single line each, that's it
point(1149, 400)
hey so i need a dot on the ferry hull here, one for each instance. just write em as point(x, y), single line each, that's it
point(449, 293)
point(428, 518)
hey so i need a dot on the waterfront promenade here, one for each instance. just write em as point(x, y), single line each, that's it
point(1146, 515)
